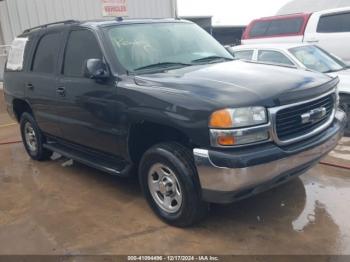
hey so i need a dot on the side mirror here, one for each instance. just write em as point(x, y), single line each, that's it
point(96, 69)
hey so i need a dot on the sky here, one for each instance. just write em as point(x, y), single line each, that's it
point(230, 12)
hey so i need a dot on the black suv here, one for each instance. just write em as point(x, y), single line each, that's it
point(163, 98)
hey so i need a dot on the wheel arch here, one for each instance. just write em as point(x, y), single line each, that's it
point(144, 135)
point(19, 107)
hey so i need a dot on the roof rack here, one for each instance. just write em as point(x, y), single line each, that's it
point(50, 24)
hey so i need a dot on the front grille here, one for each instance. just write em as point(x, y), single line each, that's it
point(289, 122)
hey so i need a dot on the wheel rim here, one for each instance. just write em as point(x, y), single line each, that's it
point(165, 188)
point(30, 137)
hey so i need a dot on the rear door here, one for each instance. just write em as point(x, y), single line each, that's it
point(87, 106)
point(41, 79)
point(331, 31)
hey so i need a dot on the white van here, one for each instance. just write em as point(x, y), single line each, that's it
point(330, 29)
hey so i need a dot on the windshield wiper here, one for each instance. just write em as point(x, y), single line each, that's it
point(212, 58)
point(162, 65)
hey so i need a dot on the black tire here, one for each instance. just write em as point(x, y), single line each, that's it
point(39, 153)
point(345, 106)
point(180, 161)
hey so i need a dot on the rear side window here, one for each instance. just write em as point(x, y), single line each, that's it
point(245, 55)
point(335, 23)
point(46, 53)
point(273, 57)
point(287, 26)
point(82, 45)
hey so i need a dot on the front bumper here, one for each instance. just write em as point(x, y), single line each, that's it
point(233, 175)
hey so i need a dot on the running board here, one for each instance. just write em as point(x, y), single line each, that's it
point(101, 162)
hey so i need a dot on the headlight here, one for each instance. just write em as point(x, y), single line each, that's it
point(238, 126)
point(238, 117)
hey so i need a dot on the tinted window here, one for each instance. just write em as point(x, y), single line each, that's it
point(46, 53)
point(273, 57)
point(277, 27)
point(245, 55)
point(259, 29)
point(334, 23)
point(285, 26)
point(82, 45)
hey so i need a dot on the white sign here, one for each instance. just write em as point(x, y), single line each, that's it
point(16, 54)
point(117, 8)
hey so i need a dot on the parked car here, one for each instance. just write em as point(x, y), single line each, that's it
point(164, 98)
point(330, 29)
point(304, 57)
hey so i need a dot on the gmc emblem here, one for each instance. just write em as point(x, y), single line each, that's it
point(313, 115)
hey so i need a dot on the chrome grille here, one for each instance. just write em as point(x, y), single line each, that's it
point(289, 122)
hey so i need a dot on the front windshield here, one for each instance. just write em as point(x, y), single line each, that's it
point(316, 59)
point(140, 45)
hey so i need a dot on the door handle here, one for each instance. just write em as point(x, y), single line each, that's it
point(29, 86)
point(61, 91)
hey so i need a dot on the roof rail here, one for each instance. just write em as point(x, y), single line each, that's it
point(50, 24)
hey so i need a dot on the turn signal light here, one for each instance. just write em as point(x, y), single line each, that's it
point(221, 119)
point(226, 140)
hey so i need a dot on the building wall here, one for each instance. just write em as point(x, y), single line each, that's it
point(18, 15)
point(298, 6)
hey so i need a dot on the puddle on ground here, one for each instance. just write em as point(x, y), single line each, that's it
point(330, 193)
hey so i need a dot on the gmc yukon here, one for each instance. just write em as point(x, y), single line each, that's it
point(162, 98)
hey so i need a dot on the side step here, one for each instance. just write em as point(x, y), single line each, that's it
point(96, 160)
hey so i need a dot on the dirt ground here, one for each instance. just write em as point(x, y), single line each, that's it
point(61, 207)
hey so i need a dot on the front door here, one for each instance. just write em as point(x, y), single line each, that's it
point(88, 107)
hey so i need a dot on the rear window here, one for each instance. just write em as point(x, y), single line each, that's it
point(335, 23)
point(286, 26)
point(46, 53)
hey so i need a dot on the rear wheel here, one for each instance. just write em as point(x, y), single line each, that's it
point(33, 139)
point(169, 181)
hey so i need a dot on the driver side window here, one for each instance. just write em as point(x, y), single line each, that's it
point(81, 46)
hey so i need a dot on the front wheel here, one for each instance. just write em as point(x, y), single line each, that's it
point(169, 181)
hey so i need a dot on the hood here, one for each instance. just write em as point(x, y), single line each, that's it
point(239, 83)
point(344, 78)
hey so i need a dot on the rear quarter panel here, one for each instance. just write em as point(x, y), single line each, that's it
point(13, 88)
